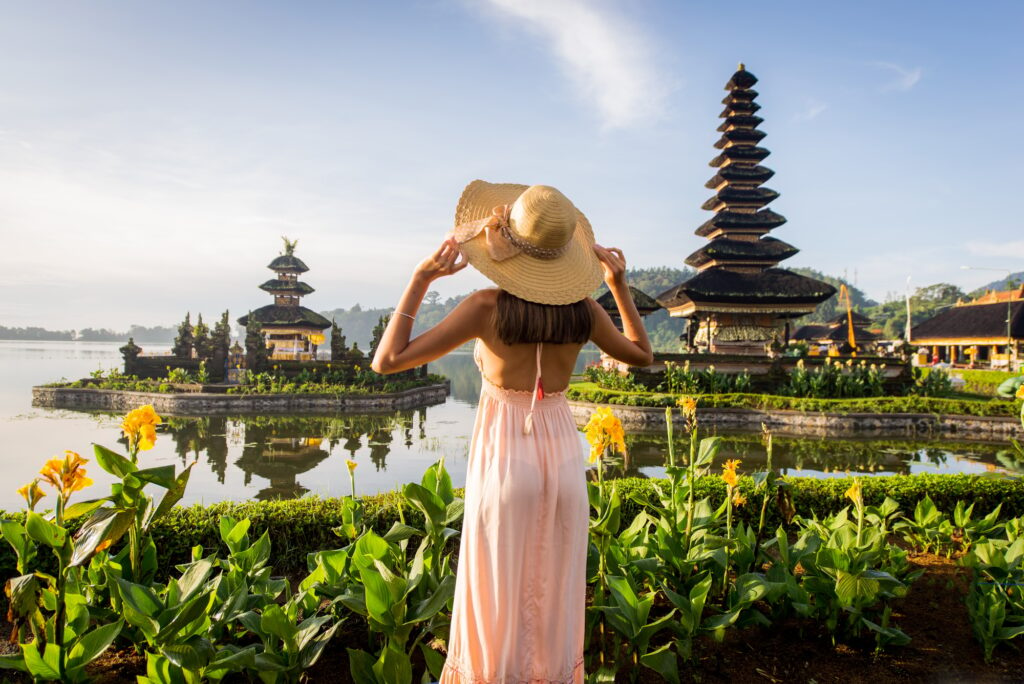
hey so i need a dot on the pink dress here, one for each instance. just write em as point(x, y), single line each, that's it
point(520, 590)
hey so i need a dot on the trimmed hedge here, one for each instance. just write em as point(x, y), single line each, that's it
point(301, 526)
point(984, 382)
point(590, 392)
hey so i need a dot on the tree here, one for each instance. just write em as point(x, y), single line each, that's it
point(257, 355)
point(378, 333)
point(338, 349)
point(201, 338)
point(184, 342)
point(432, 298)
point(220, 340)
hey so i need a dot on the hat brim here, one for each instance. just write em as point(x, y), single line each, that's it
point(571, 277)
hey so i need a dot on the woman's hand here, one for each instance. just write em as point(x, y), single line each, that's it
point(613, 262)
point(443, 262)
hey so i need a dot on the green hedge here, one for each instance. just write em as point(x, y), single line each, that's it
point(984, 382)
point(590, 392)
point(300, 526)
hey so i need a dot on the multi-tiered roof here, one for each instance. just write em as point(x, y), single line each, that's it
point(288, 290)
point(737, 267)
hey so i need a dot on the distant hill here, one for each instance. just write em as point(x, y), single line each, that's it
point(1015, 279)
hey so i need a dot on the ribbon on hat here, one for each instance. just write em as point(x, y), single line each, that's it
point(503, 242)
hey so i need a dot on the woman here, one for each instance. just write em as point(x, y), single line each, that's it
point(521, 578)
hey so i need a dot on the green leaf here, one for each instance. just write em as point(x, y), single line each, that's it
point(434, 661)
point(854, 587)
point(44, 531)
point(41, 666)
point(663, 661)
point(115, 464)
point(194, 577)
point(77, 510)
point(430, 606)
point(192, 654)
point(311, 652)
point(92, 644)
point(13, 662)
point(107, 524)
point(400, 532)
point(141, 598)
point(171, 497)
point(378, 597)
point(360, 666)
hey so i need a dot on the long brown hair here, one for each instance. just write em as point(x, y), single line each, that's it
point(518, 321)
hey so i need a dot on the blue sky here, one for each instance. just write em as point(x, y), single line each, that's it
point(151, 154)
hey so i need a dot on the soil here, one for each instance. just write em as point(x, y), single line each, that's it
point(933, 614)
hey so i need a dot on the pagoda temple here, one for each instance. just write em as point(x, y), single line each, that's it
point(835, 333)
point(739, 302)
point(292, 329)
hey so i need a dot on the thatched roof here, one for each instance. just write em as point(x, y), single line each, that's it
point(288, 263)
point(645, 303)
point(287, 317)
point(745, 196)
point(766, 249)
point(972, 322)
point(770, 286)
point(740, 153)
point(277, 286)
point(766, 219)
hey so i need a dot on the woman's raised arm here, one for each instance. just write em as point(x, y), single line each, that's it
point(631, 345)
point(396, 352)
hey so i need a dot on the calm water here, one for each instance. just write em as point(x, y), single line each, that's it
point(273, 456)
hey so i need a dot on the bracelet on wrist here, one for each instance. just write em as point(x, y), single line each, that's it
point(409, 316)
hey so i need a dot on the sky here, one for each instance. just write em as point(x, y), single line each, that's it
point(153, 153)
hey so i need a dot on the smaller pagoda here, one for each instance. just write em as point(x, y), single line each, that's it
point(739, 301)
point(645, 304)
point(292, 329)
point(835, 333)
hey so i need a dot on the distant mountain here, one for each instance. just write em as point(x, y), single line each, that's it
point(1015, 279)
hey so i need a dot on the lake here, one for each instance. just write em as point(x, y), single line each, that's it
point(266, 457)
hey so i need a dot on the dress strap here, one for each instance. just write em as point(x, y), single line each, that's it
point(538, 393)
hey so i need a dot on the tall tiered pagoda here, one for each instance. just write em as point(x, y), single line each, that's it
point(739, 302)
point(294, 330)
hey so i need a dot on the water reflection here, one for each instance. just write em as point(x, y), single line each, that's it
point(825, 457)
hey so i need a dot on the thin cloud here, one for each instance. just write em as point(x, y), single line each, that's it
point(812, 110)
point(603, 54)
point(905, 78)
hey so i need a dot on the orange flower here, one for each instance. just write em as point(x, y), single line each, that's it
point(1020, 392)
point(139, 426)
point(688, 406)
point(32, 493)
point(738, 499)
point(854, 493)
point(103, 545)
point(729, 472)
point(66, 475)
point(604, 431)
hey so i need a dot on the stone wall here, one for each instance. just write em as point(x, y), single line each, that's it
point(202, 403)
point(816, 423)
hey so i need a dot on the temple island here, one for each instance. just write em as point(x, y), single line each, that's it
point(280, 369)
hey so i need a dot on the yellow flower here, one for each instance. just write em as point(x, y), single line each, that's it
point(854, 493)
point(351, 465)
point(604, 431)
point(32, 493)
point(688, 405)
point(729, 472)
point(738, 499)
point(66, 475)
point(1020, 392)
point(103, 545)
point(139, 426)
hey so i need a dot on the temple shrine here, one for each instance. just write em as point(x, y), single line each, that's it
point(985, 332)
point(294, 331)
point(739, 302)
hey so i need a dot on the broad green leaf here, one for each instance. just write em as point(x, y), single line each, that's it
point(44, 531)
point(92, 644)
point(114, 463)
point(104, 525)
point(192, 654)
point(41, 666)
point(663, 661)
point(77, 510)
point(430, 606)
point(360, 665)
point(171, 497)
point(400, 532)
point(378, 597)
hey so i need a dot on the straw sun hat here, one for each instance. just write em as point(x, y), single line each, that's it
point(530, 240)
